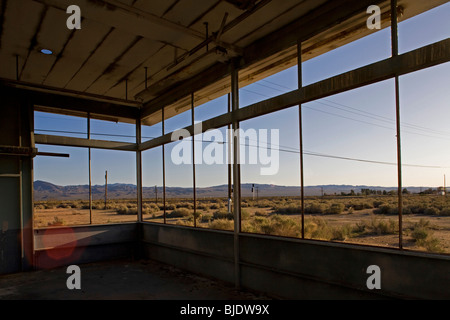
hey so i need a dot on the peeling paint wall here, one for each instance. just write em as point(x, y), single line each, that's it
point(16, 241)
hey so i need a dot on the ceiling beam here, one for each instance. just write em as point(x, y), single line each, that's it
point(84, 143)
point(322, 18)
point(418, 59)
point(62, 101)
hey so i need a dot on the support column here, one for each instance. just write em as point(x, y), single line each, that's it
point(139, 171)
point(236, 172)
point(16, 185)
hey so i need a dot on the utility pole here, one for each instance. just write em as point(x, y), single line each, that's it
point(106, 187)
point(445, 191)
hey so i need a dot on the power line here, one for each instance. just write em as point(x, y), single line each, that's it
point(367, 114)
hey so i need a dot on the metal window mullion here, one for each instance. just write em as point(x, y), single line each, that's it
point(394, 47)
point(300, 127)
point(236, 172)
point(139, 170)
point(90, 168)
point(164, 168)
point(193, 160)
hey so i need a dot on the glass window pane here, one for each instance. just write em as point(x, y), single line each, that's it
point(211, 175)
point(152, 181)
point(350, 167)
point(60, 125)
point(424, 29)
point(121, 195)
point(179, 183)
point(113, 131)
point(270, 174)
point(372, 48)
point(424, 101)
point(61, 187)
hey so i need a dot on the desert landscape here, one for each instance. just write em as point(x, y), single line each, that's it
point(368, 220)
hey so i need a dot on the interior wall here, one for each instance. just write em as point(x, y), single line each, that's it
point(299, 269)
point(16, 238)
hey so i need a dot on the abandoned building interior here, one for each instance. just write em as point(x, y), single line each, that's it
point(144, 65)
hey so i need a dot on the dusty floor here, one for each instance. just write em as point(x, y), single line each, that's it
point(120, 280)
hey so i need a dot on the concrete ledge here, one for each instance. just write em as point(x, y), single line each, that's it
point(62, 246)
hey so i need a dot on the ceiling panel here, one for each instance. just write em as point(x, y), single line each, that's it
point(19, 28)
point(156, 7)
point(37, 65)
point(132, 60)
point(186, 11)
point(111, 49)
point(83, 43)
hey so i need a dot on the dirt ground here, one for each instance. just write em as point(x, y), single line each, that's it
point(439, 225)
point(120, 280)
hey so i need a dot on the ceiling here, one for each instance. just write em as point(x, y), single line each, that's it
point(137, 52)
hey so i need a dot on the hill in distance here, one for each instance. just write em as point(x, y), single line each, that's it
point(48, 191)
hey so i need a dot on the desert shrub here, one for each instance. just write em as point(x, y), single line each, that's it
point(245, 214)
point(445, 212)
point(186, 205)
point(56, 222)
point(377, 226)
point(315, 208)
point(180, 213)
point(216, 206)
point(335, 208)
point(261, 214)
point(153, 207)
point(274, 225)
point(188, 223)
point(417, 208)
point(318, 228)
point(342, 233)
point(357, 206)
point(206, 217)
point(286, 209)
point(223, 214)
point(377, 203)
point(203, 206)
point(431, 211)
point(423, 237)
point(221, 224)
point(125, 210)
point(350, 210)
point(264, 203)
point(386, 209)
point(168, 207)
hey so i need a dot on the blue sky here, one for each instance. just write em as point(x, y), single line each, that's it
point(359, 124)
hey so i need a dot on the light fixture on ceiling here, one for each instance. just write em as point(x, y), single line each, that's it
point(47, 51)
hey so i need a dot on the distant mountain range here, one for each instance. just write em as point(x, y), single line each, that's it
point(48, 191)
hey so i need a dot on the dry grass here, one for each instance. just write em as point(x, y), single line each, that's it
point(367, 220)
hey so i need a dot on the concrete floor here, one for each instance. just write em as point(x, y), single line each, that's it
point(120, 280)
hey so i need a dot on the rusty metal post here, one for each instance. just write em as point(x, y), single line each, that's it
point(90, 168)
point(300, 127)
point(193, 160)
point(139, 171)
point(164, 169)
point(394, 44)
point(236, 172)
